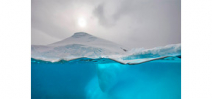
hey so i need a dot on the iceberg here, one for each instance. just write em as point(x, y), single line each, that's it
point(87, 67)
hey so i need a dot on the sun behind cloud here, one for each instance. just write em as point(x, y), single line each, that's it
point(82, 22)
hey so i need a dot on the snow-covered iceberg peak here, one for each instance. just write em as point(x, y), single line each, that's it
point(81, 34)
point(77, 38)
point(80, 44)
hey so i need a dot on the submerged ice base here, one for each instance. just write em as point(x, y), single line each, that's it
point(144, 81)
point(92, 79)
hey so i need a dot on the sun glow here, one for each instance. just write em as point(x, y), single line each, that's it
point(82, 22)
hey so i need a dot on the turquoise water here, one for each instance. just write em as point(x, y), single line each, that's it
point(86, 78)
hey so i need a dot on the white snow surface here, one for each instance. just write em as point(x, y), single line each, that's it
point(82, 44)
point(168, 50)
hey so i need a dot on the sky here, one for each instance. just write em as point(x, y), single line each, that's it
point(131, 23)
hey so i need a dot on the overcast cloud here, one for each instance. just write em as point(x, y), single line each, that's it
point(132, 23)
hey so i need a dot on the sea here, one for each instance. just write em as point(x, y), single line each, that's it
point(105, 78)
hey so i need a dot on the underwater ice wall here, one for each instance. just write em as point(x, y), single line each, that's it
point(151, 80)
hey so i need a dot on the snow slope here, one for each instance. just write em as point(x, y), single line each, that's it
point(85, 45)
point(80, 44)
